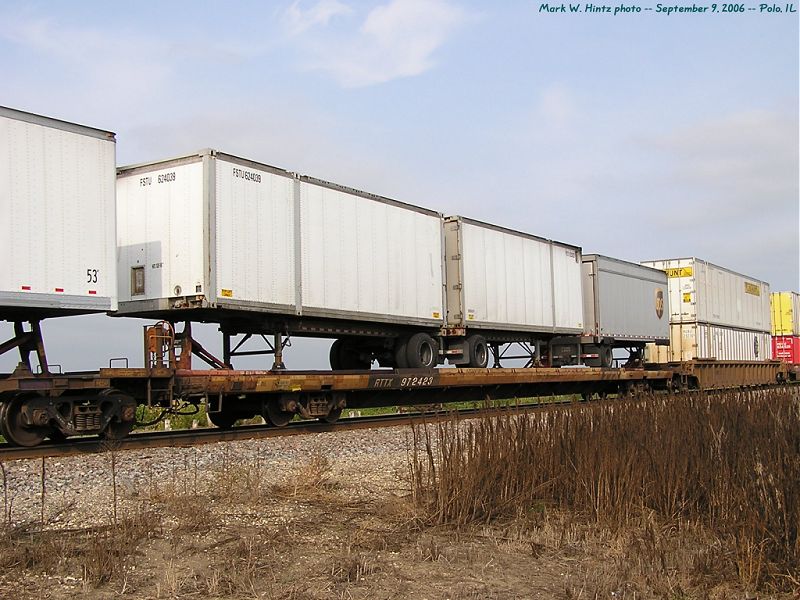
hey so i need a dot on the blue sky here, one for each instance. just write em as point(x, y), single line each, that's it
point(639, 136)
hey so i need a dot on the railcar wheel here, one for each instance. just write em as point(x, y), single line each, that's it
point(275, 416)
point(422, 352)
point(224, 420)
point(57, 436)
point(116, 430)
point(332, 416)
point(478, 352)
point(3, 406)
point(15, 430)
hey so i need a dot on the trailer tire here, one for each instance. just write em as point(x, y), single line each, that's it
point(422, 351)
point(333, 355)
point(349, 356)
point(478, 351)
point(606, 355)
point(400, 349)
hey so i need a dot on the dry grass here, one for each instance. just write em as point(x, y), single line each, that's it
point(97, 554)
point(311, 481)
point(655, 470)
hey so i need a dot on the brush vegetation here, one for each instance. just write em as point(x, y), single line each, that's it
point(726, 465)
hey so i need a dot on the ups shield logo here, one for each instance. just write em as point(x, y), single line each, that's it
point(659, 302)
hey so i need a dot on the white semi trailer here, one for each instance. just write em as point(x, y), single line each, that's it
point(260, 250)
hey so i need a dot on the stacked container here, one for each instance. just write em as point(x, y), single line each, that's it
point(715, 313)
point(785, 309)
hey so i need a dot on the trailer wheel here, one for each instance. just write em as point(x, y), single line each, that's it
point(422, 352)
point(478, 352)
point(346, 355)
point(333, 355)
point(400, 349)
point(606, 355)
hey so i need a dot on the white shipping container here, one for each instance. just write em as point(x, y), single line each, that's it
point(57, 238)
point(510, 281)
point(624, 301)
point(222, 232)
point(689, 341)
point(706, 293)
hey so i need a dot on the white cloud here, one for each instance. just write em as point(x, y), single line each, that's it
point(395, 40)
point(298, 20)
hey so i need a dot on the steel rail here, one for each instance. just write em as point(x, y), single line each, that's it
point(184, 438)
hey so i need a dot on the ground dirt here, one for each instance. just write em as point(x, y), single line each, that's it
point(249, 523)
point(334, 546)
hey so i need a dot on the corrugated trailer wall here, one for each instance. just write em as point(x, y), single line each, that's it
point(363, 255)
point(57, 195)
point(785, 309)
point(702, 340)
point(624, 301)
point(254, 236)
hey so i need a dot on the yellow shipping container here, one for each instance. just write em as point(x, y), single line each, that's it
point(785, 309)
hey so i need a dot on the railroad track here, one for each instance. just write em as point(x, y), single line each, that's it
point(197, 437)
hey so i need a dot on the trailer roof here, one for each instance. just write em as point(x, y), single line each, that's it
point(502, 229)
point(594, 256)
point(21, 115)
point(716, 266)
point(196, 156)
